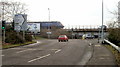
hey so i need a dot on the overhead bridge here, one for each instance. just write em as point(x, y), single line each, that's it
point(77, 33)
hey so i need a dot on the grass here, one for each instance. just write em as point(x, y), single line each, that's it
point(115, 52)
point(6, 46)
point(38, 37)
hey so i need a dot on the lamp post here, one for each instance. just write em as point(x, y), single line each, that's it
point(49, 14)
point(48, 24)
point(102, 36)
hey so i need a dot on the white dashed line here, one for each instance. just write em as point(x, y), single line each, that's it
point(57, 51)
point(16, 48)
point(2, 55)
point(39, 58)
point(22, 51)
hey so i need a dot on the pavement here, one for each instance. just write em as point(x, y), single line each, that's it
point(101, 57)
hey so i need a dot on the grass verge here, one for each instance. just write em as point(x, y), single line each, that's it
point(37, 37)
point(6, 46)
point(115, 52)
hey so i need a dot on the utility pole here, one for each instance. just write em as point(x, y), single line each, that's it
point(102, 23)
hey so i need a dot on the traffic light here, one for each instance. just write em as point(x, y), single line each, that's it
point(3, 24)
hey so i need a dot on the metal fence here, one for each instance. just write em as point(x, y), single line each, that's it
point(113, 45)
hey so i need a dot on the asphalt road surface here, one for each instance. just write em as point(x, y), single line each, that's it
point(50, 52)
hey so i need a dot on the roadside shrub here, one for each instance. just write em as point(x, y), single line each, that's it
point(28, 37)
point(13, 38)
point(114, 36)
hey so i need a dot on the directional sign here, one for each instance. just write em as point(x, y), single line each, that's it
point(19, 19)
point(49, 33)
point(20, 22)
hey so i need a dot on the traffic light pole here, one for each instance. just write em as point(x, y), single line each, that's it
point(3, 22)
point(4, 36)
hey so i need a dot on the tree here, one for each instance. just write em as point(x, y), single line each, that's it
point(114, 28)
point(9, 9)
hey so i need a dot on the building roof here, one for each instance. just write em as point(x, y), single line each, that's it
point(49, 23)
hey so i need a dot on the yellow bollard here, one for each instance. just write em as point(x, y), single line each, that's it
point(83, 37)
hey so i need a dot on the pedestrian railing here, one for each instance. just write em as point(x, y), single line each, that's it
point(113, 45)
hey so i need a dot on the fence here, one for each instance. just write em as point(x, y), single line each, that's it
point(113, 45)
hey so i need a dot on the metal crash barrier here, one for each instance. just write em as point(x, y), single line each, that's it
point(113, 45)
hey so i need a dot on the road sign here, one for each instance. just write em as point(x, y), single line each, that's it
point(20, 22)
point(49, 33)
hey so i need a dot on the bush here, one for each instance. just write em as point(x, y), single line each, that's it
point(28, 37)
point(114, 36)
point(14, 37)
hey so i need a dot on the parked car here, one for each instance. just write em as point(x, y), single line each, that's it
point(89, 36)
point(62, 38)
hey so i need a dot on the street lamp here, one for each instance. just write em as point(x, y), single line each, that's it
point(102, 36)
point(49, 14)
point(49, 24)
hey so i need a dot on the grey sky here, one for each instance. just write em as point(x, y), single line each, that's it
point(70, 12)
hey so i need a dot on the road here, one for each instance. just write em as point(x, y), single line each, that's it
point(50, 52)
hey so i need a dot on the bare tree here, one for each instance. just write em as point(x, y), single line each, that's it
point(114, 27)
point(9, 9)
point(116, 14)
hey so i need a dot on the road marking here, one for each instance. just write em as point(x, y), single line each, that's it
point(39, 58)
point(38, 42)
point(2, 55)
point(97, 45)
point(90, 44)
point(57, 51)
point(102, 58)
point(22, 51)
point(16, 48)
point(27, 50)
point(54, 49)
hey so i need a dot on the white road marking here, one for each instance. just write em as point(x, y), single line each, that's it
point(15, 48)
point(57, 51)
point(54, 49)
point(97, 45)
point(38, 42)
point(90, 44)
point(39, 58)
point(101, 58)
point(22, 51)
point(2, 55)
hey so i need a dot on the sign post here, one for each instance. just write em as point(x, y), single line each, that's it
point(20, 23)
point(49, 33)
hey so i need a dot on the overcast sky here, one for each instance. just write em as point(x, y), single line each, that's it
point(70, 12)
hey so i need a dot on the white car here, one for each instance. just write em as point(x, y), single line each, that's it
point(88, 36)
